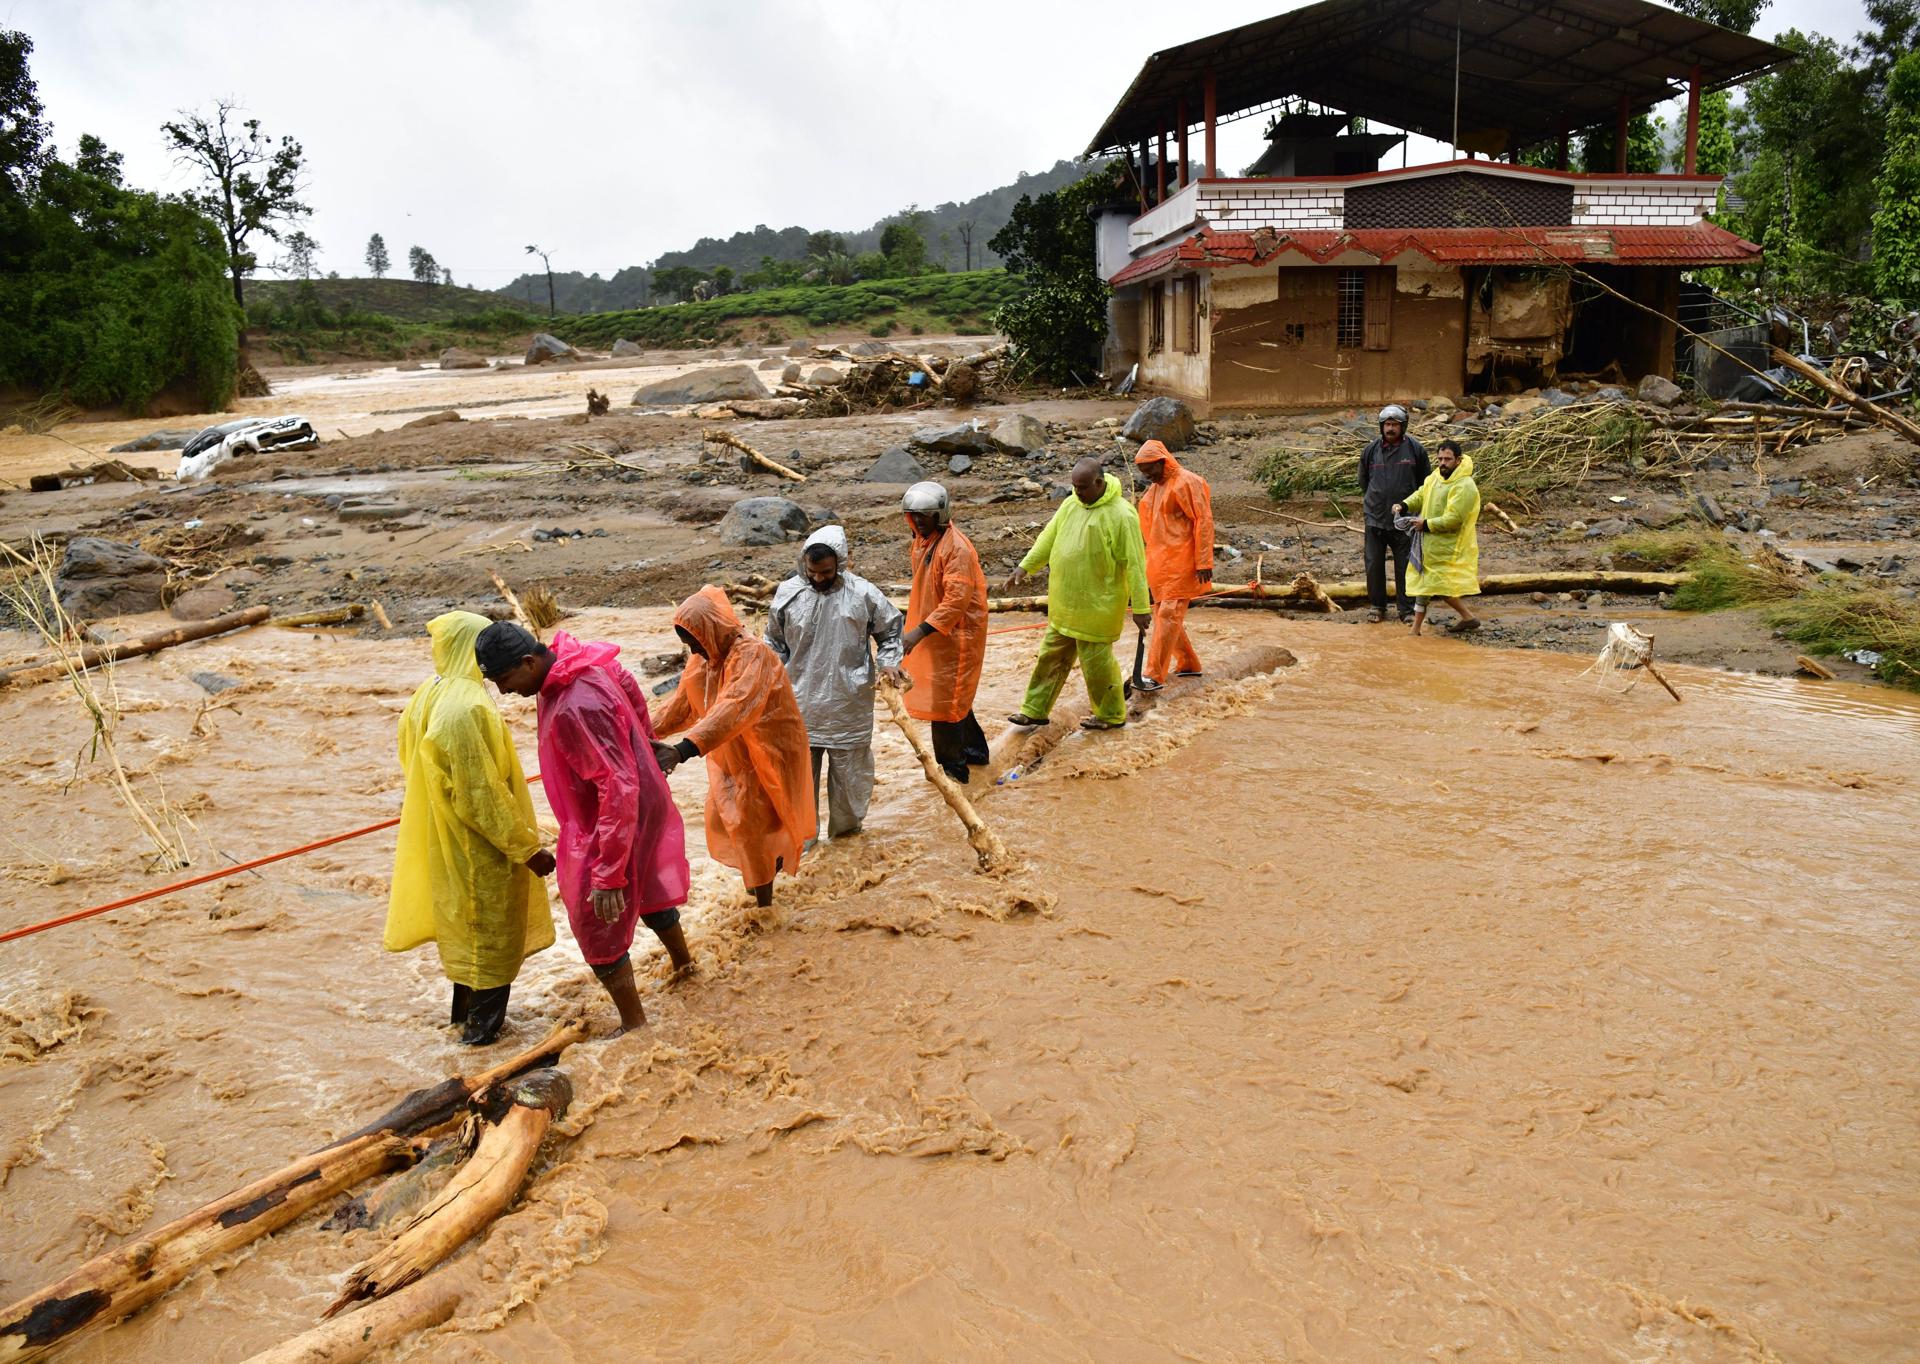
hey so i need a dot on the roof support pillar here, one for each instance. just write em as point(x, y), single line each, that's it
point(1566, 138)
point(1145, 201)
point(1693, 120)
point(1160, 170)
point(1180, 116)
point(1209, 111)
point(1620, 138)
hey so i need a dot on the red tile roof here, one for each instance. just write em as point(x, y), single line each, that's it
point(1694, 245)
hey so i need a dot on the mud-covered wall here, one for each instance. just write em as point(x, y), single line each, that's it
point(1275, 333)
point(1171, 368)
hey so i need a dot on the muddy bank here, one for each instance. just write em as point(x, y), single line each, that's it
point(1424, 1000)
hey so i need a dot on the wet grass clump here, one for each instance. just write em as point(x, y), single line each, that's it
point(1839, 616)
point(1723, 578)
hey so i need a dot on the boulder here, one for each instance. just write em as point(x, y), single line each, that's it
point(800, 347)
point(1166, 420)
point(709, 385)
point(826, 376)
point(896, 466)
point(869, 348)
point(202, 603)
point(453, 357)
point(1440, 402)
point(772, 362)
point(964, 439)
point(1521, 404)
point(624, 348)
point(1020, 434)
point(545, 348)
point(959, 464)
point(100, 577)
point(763, 521)
point(1661, 392)
point(790, 372)
point(156, 440)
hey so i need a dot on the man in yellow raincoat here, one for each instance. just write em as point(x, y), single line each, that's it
point(1097, 566)
point(1443, 514)
point(467, 874)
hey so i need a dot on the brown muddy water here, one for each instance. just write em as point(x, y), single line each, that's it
point(1422, 1002)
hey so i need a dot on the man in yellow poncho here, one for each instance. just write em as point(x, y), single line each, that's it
point(467, 874)
point(1443, 514)
point(1097, 566)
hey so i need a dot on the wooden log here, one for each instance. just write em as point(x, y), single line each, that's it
point(425, 1109)
point(1812, 667)
point(1842, 415)
point(506, 595)
point(1886, 416)
point(112, 1286)
point(987, 847)
point(380, 614)
point(330, 615)
point(479, 1192)
point(349, 1339)
point(1502, 517)
point(727, 438)
point(95, 655)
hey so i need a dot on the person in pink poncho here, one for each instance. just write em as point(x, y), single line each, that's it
point(622, 852)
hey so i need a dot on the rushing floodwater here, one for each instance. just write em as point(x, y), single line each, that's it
point(1426, 1002)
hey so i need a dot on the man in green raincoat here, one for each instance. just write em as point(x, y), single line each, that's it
point(1097, 566)
point(467, 873)
point(1443, 514)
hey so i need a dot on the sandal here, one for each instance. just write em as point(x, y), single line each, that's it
point(1376, 617)
point(1094, 722)
point(1025, 721)
point(1146, 684)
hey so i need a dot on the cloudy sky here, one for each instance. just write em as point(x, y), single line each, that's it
point(609, 132)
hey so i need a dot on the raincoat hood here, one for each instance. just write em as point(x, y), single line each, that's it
point(1463, 470)
point(571, 658)
point(834, 538)
point(1153, 452)
point(1109, 492)
point(453, 637)
point(708, 616)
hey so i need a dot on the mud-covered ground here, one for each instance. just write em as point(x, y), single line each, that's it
point(441, 506)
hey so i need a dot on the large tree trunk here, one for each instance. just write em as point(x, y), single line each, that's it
point(349, 1339)
point(94, 655)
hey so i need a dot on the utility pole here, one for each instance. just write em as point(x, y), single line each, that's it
point(536, 251)
point(965, 229)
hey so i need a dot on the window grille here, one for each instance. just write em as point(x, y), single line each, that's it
point(1351, 330)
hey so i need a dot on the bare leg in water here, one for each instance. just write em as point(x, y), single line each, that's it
point(763, 895)
point(675, 941)
point(618, 978)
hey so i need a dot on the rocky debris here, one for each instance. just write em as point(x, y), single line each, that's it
point(763, 521)
point(964, 439)
point(155, 440)
point(959, 464)
point(714, 384)
point(99, 577)
point(433, 419)
point(213, 683)
point(870, 348)
point(896, 466)
point(1166, 420)
point(623, 349)
point(202, 603)
point(546, 348)
point(801, 346)
point(826, 376)
point(771, 363)
point(548, 534)
point(1705, 504)
point(1020, 434)
point(759, 409)
point(1440, 402)
point(1522, 404)
point(453, 357)
point(1659, 391)
point(371, 508)
point(790, 372)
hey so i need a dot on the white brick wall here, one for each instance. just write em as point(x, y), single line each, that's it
point(1643, 204)
point(1245, 207)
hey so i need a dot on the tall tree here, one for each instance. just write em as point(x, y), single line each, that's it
point(536, 251)
point(23, 132)
point(446, 274)
point(422, 265)
point(377, 260)
point(301, 250)
point(1896, 222)
point(965, 229)
point(249, 183)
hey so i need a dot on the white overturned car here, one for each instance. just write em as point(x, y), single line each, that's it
point(248, 436)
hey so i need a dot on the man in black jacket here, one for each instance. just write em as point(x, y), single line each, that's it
point(1390, 469)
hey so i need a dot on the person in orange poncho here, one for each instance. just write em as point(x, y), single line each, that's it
point(737, 708)
point(946, 639)
point(1176, 520)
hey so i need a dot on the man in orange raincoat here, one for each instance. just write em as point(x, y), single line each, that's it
point(738, 710)
point(946, 639)
point(1176, 520)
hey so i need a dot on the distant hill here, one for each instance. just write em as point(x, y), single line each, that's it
point(403, 299)
point(577, 293)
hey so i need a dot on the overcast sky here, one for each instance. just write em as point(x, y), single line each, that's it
point(609, 131)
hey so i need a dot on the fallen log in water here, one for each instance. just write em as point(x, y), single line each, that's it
point(478, 1192)
point(1016, 751)
point(348, 1339)
point(425, 1109)
point(1304, 589)
point(94, 655)
point(986, 844)
point(726, 438)
point(326, 615)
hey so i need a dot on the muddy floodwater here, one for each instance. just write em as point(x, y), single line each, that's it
point(1419, 1002)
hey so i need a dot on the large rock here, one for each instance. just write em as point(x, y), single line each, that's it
point(826, 376)
point(156, 440)
point(964, 439)
point(108, 578)
point(1166, 420)
point(545, 348)
point(709, 385)
point(772, 362)
point(763, 521)
point(896, 466)
point(1659, 391)
point(624, 348)
point(1020, 434)
point(790, 372)
point(202, 603)
point(455, 358)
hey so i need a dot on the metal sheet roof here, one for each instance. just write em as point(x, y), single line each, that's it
point(1525, 66)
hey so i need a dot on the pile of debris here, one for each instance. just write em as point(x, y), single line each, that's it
point(893, 380)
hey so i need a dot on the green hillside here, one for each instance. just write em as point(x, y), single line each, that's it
point(404, 300)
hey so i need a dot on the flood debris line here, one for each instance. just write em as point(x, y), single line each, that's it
point(986, 844)
point(110, 1287)
point(1305, 589)
point(1884, 415)
point(753, 456)
point(478, 1192)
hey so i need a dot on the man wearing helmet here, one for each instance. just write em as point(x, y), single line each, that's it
point(1390, 469)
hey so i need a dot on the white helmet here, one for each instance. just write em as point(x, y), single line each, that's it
point(929, 499)
point(1393, 412)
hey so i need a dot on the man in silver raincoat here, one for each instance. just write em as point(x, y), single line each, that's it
point(826, 624)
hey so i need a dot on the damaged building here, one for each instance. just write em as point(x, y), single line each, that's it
point(1322, 278)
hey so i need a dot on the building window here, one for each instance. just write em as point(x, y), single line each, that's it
point(1156, 318)
point(1365, 309)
